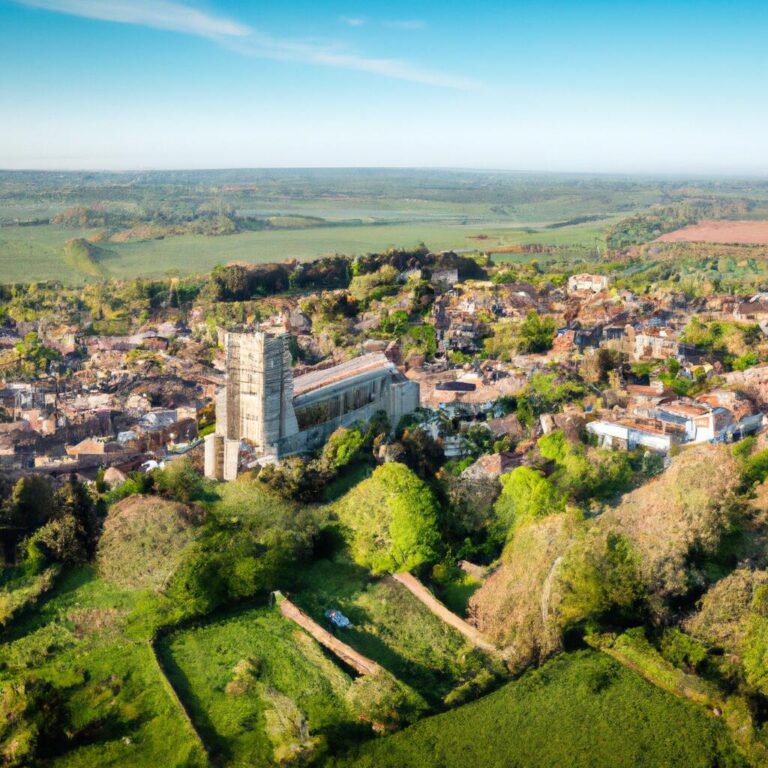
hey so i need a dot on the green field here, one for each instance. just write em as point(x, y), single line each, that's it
point(300, 214)
point(116, 700)
point(37, 253)
point(581, 710)
point(393, 628)
point(289, 670)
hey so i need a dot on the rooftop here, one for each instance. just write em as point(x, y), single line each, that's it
point(368, 363)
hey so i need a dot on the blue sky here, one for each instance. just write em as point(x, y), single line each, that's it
point(594, 86)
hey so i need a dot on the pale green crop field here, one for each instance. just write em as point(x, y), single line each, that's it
point(36, 253)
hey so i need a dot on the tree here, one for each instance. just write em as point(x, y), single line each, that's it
point(477, 440)
point(536, 333)
point(71, 534)
point(581, 473)
point(392, 518)
point(525, 495)
point(423, 453)
point(608, 360)
point(31, 503)
point(181, 481)
point(601, 575)
point(343, 447)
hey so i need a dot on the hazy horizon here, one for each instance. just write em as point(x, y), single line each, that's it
point(595, 88)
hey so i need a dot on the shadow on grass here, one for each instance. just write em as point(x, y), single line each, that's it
point(344, 583)
point(347, 480)
point(456, 596)
point(221, 751)
point(34, 615)
point(101, 731)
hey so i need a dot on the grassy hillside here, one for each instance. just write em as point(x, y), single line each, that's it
point(244, 674)
point(580, 710)
point(143, 541)
point(83, 256)
point(114, 697)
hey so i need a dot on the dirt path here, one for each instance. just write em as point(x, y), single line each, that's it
point(418, 590)
point(347, 654)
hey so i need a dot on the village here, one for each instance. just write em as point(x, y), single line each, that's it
point(134, 401)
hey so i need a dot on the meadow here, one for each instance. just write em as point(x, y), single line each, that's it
point(303, 214)
point(37, 253)
point(580, 709)
point(241, 671)
point(117, 700)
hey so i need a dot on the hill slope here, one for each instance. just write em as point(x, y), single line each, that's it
point(578, 710)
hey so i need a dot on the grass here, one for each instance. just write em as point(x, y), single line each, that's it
point(456, 593)
point(349, 477)
point(115, 698)
point(143, 541)
point(232, 709)
point(37, 253)
point(393, 628)
point(579, 710)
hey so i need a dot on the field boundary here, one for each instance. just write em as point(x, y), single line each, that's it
point(168, 685)
point(361, 664)
point(421, 593)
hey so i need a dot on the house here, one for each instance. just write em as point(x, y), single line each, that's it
point(492, 465)
point(92, 447)
point(700, 421)
point(507, 425)
point(754, 310)
point(587, 282)
point(653, 343)
point(445, 278)
point(627, 435)
point(644, 397)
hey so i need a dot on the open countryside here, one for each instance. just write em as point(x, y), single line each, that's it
point(741, 232)
point(383, 386)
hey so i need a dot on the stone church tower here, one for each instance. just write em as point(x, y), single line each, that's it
point(257, 403)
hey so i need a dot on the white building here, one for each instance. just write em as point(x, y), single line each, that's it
point(586, 282)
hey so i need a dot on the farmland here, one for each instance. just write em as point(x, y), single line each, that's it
point(37, 253)
point(724, 232)
point(157, 224)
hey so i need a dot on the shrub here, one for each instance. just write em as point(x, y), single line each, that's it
point(392, 518)
point(525, 495)
point(536, 333)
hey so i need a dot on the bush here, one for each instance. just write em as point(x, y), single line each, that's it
point(392, 519)
point(525, 495)
point(343, 447)
point(755, 468)
point(600, 576)
point(180, 481)
point(249, 545)
point(536, 333)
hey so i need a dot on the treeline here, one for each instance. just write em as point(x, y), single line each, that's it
point(239, 282)
point(644, 227)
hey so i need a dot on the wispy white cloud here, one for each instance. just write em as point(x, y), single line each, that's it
point(263, 46)
point(180, 17)
point(352, 21)
point(160, 14)
point(406, 24)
